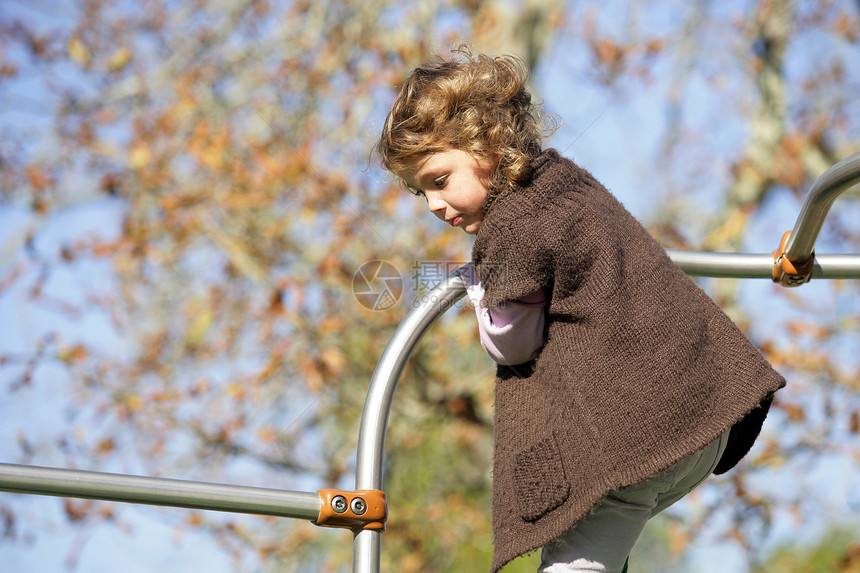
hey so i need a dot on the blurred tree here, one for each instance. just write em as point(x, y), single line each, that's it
point(837, 552)
point(207, 327)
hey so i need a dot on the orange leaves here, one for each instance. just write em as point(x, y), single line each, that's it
point(119, 59)
point(79, 510)
point(132, 402)
point(788, 163)
point(201, 317)
point(267, 434)
point(770, 455)
point(42, 182)
point(74, 355)
point(238, 252)
point(846, 26)
point(810, 330)
point(78, 51)
point(87, 50)
point(854, 423)
point(270, 368)
point(332, 324)
point(654, 46)
point(105, 446)
point(8, 70)
point(237, 171)
point(731, 228)
point(235, 391)
point(313, 373)
point(173, 202)
point(608, 53)
point(194, 519)
point(164, 396)
point(797, 155)
point(249, 200)
point(322, 370)
point(679, 538)
point(808, 351)
point(795, 412)
point(201, 386)
point(260, 171)
point(139, 155)
point(209, 144)
point(333, 361)
point(850, 561)
point(613, 57)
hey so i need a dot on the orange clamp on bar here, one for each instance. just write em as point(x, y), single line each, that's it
point(789, 273)
point(355, 510)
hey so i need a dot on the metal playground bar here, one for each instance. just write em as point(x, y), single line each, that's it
point(364, 511)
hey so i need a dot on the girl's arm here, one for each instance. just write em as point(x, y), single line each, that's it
point(511, 333)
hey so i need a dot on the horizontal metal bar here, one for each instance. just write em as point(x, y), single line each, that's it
point(732, 265)
point(159, 491)
point(758, 266)
point(836, 267)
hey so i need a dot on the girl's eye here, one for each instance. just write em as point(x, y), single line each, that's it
point(440, 182)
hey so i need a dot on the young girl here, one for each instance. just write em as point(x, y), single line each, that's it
point(621, 385)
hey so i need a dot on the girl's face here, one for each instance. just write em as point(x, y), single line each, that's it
point(455, 185)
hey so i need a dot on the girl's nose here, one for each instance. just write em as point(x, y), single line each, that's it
point(435, 203)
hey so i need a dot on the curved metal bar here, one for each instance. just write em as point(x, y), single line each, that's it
point(374, 420)
point(377, 405)
point(819, 199)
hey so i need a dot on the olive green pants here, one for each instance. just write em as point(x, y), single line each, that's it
point(601, 543)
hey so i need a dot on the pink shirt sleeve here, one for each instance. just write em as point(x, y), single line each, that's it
point(512, 333)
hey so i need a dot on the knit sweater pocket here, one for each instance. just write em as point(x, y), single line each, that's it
point(541, 482)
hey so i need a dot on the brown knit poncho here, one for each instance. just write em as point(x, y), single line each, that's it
point(640, 368)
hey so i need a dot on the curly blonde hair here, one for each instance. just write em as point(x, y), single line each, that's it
point(478, 104)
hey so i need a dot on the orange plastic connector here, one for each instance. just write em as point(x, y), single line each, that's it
point(790, 273)
point(355, 510)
